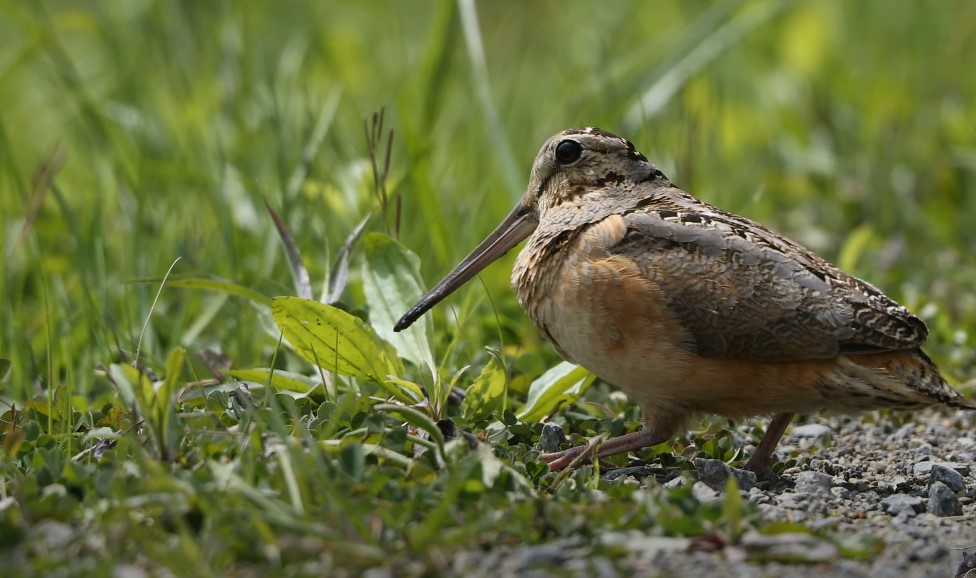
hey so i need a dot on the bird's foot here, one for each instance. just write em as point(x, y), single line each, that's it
point(760, 465)
point(596, 447)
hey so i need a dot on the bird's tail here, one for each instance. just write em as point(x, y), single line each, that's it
point(927, 378)
point(906, 379)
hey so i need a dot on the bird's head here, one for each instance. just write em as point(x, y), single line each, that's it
point(578, 175)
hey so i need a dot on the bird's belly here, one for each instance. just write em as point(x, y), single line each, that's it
point(606, 317)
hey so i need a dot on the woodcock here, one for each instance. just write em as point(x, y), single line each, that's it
point(690, 309)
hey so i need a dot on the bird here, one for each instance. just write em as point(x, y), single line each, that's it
point(692, 310)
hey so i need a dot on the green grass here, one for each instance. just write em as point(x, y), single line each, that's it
point(133, 134)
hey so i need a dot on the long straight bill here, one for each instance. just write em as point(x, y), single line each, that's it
point(518, 225)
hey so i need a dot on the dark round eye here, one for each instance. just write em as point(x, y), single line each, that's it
point(568, 152)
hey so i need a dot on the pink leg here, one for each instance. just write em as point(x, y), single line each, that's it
point(581, 454)
point(760, 460)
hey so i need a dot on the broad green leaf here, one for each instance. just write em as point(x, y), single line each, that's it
point(209, 284)
point(352, 460)
point(411, 387)
point(280, 380)
point(113, 419)
point(391, 282)
point(486, 394)
point(415, 418)
point(338, 341)
point(135, 388)
point(732, 510)
point(164, 402)
point(174, 366)
point(856, 546)
point(564, 383)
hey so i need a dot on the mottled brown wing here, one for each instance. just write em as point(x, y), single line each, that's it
point(744, 291)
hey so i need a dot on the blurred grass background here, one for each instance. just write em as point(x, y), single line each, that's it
point(162, 126)
point(169, 122)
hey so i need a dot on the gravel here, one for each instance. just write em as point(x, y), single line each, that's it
point(909, 485)
point(903, 505)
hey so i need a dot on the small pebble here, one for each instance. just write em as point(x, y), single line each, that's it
point(926, 467)
point(677, 482)
point(552, 437)
point(903, 504)
point(948, 476)
point(840, 493)
point(814, 483)
point(810, 430)
point(703, 493)
point(943, 501)
point(716, 474)
point(789, 501)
